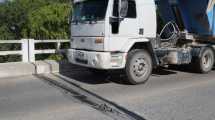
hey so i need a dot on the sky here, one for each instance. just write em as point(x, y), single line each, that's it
point(1, 0)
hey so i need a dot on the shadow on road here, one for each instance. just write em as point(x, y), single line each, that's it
point(162, 71)
point(80, 74)
point(89, 98)
point(184, 68)
point(83, 75)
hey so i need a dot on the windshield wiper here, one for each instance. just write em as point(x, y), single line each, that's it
point(93, 20)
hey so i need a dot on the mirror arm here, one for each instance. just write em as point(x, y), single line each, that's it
point(119, 7)
point(114, 19)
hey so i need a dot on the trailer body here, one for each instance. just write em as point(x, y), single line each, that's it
point(195, 17)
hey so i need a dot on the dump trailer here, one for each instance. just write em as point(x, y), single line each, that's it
point(137, 36)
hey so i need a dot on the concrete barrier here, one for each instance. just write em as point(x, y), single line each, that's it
point(44, 67)
point(39, 67)
point(16, 69)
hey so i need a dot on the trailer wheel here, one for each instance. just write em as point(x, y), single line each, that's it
point(205, 62)
point(138, 67)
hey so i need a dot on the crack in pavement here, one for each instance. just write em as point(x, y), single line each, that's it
point(90, 99)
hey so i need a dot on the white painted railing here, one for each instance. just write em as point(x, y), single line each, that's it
point(28, 51)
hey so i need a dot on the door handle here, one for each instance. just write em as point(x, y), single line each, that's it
point(141, 31)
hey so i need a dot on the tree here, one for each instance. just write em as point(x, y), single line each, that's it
point(49, 22)
point(37, 19)
point(17, 16)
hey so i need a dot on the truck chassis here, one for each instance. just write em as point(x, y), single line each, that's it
point(178, 49)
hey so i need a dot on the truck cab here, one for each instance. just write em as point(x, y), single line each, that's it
point(122, 34)
point(102, 34)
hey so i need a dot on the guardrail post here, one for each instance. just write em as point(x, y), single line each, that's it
point(31, 48)
point(25, 57)
point(58, 45)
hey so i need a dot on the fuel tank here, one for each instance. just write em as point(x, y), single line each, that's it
point(194, 16)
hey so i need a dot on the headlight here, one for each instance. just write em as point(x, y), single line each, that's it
point(116, 60)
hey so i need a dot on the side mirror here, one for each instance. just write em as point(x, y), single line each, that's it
point(120, 10)
point(123, 8)
point(115, 23)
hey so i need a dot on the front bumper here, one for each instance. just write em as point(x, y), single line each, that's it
point(98, 60)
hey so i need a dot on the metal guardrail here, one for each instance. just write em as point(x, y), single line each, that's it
point(28, 51)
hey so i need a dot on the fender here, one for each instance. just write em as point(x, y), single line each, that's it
point(141, 43)
point(197, 50)
point(131, 42)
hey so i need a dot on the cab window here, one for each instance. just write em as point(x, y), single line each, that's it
point(132, 12)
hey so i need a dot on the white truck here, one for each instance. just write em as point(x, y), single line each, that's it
point(123, 35)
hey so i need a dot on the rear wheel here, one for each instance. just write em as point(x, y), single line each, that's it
point(205, 62)
point(138, 67)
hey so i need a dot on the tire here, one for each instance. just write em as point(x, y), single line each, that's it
point(205, 62)
point(138, 67)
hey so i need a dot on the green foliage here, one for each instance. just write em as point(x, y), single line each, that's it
point(56, 57)
point(5, 33)
point(37, 19)
point(49, 22)
point(13, 15)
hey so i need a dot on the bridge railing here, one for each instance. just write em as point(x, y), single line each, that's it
point(28, 51)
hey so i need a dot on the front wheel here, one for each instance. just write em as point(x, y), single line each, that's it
point(138, 67)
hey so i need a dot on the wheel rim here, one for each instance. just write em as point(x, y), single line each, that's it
point(140, 67)
point(207, 60)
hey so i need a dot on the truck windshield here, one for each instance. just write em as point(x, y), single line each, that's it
point(90, 10)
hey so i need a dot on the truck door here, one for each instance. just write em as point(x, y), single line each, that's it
point(121, 32)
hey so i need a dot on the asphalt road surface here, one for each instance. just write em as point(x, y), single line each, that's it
point(79, 95)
